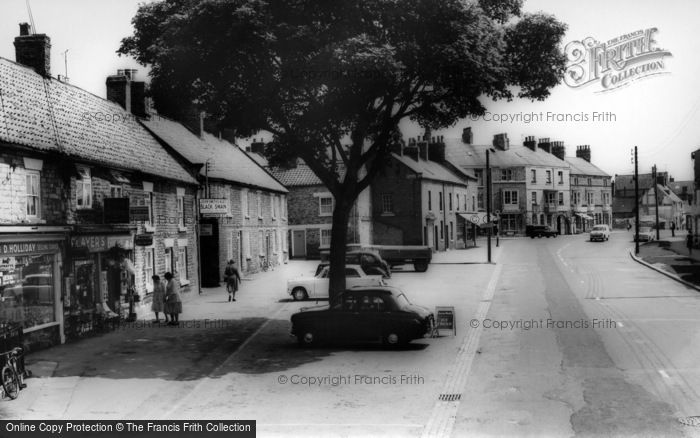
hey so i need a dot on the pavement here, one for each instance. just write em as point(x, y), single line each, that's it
point(670, 256)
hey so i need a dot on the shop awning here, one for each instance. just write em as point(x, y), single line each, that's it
point(584, 216)
point(478, 218)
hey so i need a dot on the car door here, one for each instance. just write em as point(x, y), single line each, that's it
point(345, 317)
point(319, 287)
point(370, 316)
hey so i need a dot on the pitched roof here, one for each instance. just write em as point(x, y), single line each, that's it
point(431, 170)
point(471, 155)
point(646, 181)
point(677, 187)
point(48, 115)
point(227, 161)
point(301, 175)
point(579, 166)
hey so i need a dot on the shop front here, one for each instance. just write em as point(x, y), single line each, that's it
point(30, 286)
point(101, 279)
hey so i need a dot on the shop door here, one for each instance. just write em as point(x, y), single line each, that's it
point(209, 252)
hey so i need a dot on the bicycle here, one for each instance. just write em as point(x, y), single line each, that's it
point(13, 372)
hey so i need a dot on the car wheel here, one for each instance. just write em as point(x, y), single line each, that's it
point(307, 338)
point(420, 266)
point(299, 293)
point(394, 339)
point(532, 237)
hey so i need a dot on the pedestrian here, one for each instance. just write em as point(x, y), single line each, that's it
point(158, 304)
point(232, 278)
point(673, 229)
point(689, 244)
point(629, 225)
point(173, 304)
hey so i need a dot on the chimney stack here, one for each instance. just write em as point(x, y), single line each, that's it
point(33, 50)
point(530, 142)
point(436, 150)
point(545, 145)
point(584, 152)
point(500, 141)
point(559, 150)
point(467, 137)
point(128, 93)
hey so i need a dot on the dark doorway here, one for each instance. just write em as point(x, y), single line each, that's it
point(209, 251)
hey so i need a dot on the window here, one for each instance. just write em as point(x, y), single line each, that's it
point(83, 188)
point(325, 237)
point(259, 205)
point(181, 211)
point(440, 200)
point(510, 197)
point(275, 241)
point(115, 191)
point(272, 206)
point(533, 172)
point(589, 181)
point(560, 174)
point(534, 198)
point(479, 173)
point(452, 231)
point(606, 198)
point(182, 264)
point(442, 233)
point(325, 206)
point(480, 202)
point(561, 198)
point(550, 197)
point(169, 260)
point(549, 176)
point(430, 200)
point(148, 268)
point(33, 191)
point(575, 180)
point(261, 244)
point(245, 204)
point(387, 203)
point(450, 201)
point(590, 198)
point(506, 174)
point(473, 203)
point(605, 184)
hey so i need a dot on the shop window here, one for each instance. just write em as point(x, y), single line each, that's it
point(33, 194)
point(27, 290)
point(83, 297)
point(83, 188)
point(182, 265)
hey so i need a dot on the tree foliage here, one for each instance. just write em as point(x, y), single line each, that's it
point(332, 80)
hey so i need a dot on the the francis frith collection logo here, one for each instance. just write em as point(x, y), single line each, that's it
point(616, 62)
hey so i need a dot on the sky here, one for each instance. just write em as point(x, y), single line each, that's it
point(660, 113)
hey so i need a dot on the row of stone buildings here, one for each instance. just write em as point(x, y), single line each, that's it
point(98, 195)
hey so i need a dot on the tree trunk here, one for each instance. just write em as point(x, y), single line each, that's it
point(339, 238)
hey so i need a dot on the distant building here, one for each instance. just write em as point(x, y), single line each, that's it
point(591, 192)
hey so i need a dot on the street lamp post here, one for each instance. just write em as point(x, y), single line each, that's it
point(488, 204)
point(636, 203)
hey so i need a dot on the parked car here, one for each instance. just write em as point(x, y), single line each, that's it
point(539, 231)
point(34, 289)
point(600, 232)
point(371, 262)
point(302, 288)
point(646, 234)
point(364, 314)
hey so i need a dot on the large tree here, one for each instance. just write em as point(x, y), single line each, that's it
point(331, 80)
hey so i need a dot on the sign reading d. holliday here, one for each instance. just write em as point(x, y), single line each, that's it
point(615, 63)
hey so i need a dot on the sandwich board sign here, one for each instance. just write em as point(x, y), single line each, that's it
point(445, 319)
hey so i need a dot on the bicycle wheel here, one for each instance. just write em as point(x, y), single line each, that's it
point(10, 382)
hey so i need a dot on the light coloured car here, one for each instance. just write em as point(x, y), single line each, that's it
point(301, 288)
point(600, 232)
point(646, 234)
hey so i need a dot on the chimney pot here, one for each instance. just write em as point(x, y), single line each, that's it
point(467, 136)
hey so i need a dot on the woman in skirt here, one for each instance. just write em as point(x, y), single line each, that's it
point(158, 304)
point(173, 305)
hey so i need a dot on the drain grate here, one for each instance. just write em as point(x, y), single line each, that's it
point(450, 397)
point(690, 421)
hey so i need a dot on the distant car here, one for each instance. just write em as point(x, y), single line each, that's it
point(302, 288)
point(600, 232)
point(371, 262)
point(34, 289)
point(646, 234)
point(540, 231)
point(364, 314)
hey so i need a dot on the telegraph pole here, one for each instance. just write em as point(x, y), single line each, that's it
point(488, 204)
point(636, 203)
point(656, 200)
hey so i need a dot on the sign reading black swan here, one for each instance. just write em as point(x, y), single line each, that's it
point(615, 63)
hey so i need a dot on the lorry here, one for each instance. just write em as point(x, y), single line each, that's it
point(395, 255)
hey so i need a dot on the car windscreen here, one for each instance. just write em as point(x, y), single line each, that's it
point(645, 230)
point(599, 228)
point(401, 301)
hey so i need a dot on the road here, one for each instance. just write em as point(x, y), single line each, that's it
point(560, 337)
point(612, 346)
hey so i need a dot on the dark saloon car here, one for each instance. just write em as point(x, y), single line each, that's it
point(371, 262)
point(540, 231)
point(364, 314)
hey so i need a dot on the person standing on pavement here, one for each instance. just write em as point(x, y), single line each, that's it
point(232, 278)
point(158, 304)
point(673, 229)
point(689, 243)
point(173, 304)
